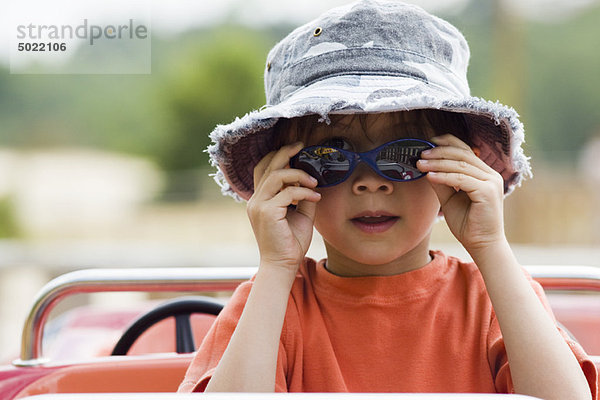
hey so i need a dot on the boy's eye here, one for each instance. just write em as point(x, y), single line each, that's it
point(339, 142)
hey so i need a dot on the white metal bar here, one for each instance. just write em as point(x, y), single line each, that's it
point(206, 279)
point(115, 280)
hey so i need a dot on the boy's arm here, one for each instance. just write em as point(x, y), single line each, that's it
point(541, 362)
point(471, 197)
point(283, 236)
point(250, 360)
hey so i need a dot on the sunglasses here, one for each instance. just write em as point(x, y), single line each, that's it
point(395, 160)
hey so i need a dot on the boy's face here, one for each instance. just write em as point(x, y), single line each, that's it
point(367, 219)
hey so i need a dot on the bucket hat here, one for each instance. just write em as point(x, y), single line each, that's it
point(371, 56)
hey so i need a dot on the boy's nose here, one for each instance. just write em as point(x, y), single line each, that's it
point(365, 180)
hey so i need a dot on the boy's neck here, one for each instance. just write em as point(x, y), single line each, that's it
point(341, 265)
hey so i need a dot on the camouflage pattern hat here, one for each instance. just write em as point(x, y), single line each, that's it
point(371, 56)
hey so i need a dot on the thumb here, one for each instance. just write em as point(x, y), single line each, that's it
point(443, 192)
point(307, 208)
point(302, 222)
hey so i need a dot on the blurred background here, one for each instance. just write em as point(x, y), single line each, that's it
point(110, 170)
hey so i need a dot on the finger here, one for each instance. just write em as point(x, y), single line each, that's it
point(449, 140)
point(275, 181)
point(456, 153)
point(456, 166)
point(276, 207)
point(477, 190)
point(275, 160)
point(308, 208)
point(296, 194)
point(442, 191)
point(281, 158)
point(260, 168)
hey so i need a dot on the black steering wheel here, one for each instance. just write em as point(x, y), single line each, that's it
point(181, 309)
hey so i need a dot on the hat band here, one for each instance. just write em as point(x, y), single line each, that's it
point(365, 61)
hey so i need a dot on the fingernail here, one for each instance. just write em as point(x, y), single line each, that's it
point(426, 152)
point(422, 161)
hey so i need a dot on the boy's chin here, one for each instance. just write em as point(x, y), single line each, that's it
point(382, 258)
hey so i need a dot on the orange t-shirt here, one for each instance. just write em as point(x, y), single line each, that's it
point(428, 330)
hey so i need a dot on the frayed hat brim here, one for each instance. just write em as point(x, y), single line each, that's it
point(493, 127)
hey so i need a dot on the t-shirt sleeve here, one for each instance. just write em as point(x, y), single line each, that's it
point(499, 360)
point(215, 342)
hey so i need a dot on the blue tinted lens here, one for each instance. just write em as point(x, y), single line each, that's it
point(327, 164)
point(396, 160)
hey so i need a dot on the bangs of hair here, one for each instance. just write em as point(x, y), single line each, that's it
point(423, 124)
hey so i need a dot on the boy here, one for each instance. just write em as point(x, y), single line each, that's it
point(376, 92)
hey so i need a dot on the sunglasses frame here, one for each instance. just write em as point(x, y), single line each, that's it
point(369, 157)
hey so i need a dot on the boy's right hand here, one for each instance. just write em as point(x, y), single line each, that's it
point(283, 234)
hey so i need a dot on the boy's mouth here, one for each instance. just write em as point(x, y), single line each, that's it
point(374, 222)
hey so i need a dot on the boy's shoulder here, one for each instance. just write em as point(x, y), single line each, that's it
point(463, 266)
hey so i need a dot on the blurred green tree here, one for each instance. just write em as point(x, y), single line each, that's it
point(564, 78)
point(217, 77)
point(217, 80)
point(547, 70)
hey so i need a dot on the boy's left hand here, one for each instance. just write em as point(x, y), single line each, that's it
point(470, 192)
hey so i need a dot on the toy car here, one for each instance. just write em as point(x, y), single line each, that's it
point(154, 351)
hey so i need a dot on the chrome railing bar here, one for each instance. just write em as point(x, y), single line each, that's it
point(580, 277)
point(200, 279)
point(118, 280)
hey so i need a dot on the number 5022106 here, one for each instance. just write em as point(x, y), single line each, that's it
point(42, 46)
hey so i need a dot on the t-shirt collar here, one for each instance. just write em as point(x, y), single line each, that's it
point(380, 289)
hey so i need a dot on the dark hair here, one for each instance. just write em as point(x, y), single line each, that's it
point(427, 123)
